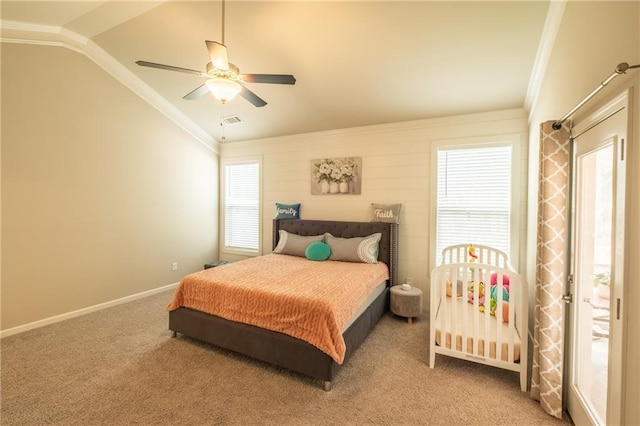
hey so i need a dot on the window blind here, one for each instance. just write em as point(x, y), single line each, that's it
point(473, 197)
point(241, 206)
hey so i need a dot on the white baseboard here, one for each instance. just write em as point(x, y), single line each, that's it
point(83, 311)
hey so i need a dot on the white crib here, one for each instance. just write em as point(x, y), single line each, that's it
point(490, 330)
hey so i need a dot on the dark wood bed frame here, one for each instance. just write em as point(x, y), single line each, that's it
point(283, 350)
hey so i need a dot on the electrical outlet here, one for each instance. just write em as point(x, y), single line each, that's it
point(409, 280)
point(174, 266)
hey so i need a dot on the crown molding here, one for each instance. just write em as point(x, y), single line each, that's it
point(27, 33)
point(545, 48)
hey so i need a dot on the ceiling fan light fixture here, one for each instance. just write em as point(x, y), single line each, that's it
point(223, 89)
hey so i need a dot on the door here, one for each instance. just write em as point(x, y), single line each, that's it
point(594, 344)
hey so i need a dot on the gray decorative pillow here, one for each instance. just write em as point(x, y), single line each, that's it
point(294, 245)
point(389, 213)
point(356, 249)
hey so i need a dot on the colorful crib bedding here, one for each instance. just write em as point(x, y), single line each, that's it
point(466, 321)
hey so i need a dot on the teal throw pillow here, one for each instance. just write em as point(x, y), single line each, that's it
point(317, 251)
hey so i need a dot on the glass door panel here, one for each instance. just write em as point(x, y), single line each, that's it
point(592, 294)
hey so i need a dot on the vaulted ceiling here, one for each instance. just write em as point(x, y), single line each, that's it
point(357, 63)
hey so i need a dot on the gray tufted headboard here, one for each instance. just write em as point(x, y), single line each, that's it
point(388, 248)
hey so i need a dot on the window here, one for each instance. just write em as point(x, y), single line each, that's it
point(241, 206)
point(474, 196)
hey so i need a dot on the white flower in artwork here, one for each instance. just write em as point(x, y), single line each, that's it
point(336, 175)
point(322, 170)
point(325, 168)
point(347, 171)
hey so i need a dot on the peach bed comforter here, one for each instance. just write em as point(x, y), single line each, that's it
point(308, 300)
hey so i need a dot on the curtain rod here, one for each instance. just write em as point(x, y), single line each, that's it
point(620, 69)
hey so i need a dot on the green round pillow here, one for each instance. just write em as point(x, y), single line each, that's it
point(317, 251)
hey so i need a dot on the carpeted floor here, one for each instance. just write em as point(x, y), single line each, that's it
point(119, 366)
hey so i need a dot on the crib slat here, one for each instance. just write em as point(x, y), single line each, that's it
point(476, 311)
point(454, 309)
point(451, 315)
point(488, 319)
point(498, 314)
point(513, 295)
point(465, 276)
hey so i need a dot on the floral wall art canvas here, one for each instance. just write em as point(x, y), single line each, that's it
point(336, 175)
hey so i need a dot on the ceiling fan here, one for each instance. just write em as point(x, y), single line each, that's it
point(224, 80)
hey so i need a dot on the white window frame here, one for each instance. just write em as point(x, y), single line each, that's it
point(223, 196)
point(512, 140)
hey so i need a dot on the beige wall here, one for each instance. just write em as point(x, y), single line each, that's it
point(101, 193)
point(396, 168)
point(593, 38)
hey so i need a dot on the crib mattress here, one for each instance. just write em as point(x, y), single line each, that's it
point(461, 305)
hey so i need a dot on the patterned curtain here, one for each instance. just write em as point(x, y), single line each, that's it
point(551, 256)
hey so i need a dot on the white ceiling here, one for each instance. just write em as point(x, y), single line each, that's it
point(356, 63)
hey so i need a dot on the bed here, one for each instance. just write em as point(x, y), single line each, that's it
point(282, 349)
point(479, 309)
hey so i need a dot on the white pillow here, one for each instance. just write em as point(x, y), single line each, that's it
point(294, 245)
point(356, 249)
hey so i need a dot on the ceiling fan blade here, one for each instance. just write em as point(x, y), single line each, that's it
point(169, 67)
point(252, 97)
point(218, 54)
point(197, 93)
point(269, 78)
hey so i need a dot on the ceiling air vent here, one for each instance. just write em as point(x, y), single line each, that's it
point(231, 119)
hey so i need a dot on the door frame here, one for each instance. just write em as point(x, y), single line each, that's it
point(618, 322)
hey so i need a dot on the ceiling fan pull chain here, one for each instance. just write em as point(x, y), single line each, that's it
point(223, 22)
